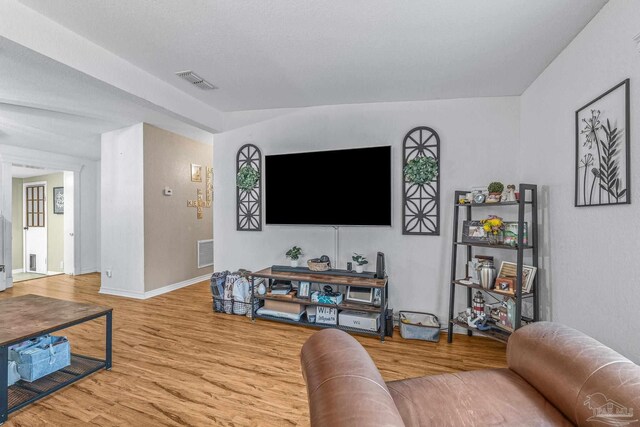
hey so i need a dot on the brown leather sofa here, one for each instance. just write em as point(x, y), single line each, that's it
point(556, 376)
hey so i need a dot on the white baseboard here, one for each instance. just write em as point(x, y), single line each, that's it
point(88, 270)
point(155, 292)
point(121, 293)
point(173, 287)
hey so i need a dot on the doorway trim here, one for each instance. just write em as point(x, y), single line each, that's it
point(26, 157)
point(25, 257)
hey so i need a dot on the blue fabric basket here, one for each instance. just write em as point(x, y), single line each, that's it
point(41, 356)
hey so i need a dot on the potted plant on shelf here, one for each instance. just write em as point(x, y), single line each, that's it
point(493, 226)
point(360, 261)
point(294, 255)
point(495, 192)
point(421, 170)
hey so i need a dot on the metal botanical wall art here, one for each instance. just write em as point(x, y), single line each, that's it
point(602, 169)
point(421, 182)
point(248, 188)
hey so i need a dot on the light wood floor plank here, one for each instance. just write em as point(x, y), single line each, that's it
point(178, 363)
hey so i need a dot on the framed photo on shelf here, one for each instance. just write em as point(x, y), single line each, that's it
point(359, 294)
point(511, 233)
point(473, 232)
point(304, 289)
point(506, 285)
point(510, 270)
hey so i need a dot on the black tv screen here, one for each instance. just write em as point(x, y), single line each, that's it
point(339, 187)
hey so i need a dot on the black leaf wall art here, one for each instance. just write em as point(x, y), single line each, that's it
point(602, 149)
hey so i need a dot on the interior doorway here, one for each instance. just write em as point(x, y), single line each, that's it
point(35, 228)
point(42, 223)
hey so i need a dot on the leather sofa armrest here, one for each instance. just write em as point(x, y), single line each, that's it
point(344, 387)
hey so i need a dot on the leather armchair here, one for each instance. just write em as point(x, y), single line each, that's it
point(555, 376)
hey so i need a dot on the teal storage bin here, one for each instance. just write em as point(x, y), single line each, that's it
point(41, 356)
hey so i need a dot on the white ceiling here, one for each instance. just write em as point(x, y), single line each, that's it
point(276, 54)
point(45, 105)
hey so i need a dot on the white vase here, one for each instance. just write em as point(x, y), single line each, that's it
point(294, 263)
point(359, 268)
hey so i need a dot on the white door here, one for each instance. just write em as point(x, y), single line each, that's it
point(69, 239)
point(35, 228)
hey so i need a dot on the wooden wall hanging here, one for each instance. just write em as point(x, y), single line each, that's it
point(249, 202)
point(421, 203)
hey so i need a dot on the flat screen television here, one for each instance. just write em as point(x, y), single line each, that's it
point(340, 187)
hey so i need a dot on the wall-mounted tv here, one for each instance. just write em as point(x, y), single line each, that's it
point(340, 187)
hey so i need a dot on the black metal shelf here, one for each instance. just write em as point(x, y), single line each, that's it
point(480, 288)
point(528, 198)
point(490, 205)
point(496, 334)
point(23, 393)
point(489, 246)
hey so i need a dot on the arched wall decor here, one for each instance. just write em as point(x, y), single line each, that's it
point(421, 203)
point(249, 202)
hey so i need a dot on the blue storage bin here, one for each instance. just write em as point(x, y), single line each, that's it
point(41, 356)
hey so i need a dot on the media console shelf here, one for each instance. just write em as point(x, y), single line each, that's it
point(320, 279)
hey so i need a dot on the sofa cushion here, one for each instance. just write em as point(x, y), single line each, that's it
point(496, 397)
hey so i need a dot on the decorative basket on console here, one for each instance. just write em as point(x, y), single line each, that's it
point(315, 265)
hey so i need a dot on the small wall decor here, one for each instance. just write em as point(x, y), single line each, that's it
point(58, 200)
point(209, 185)
point(196, 173)
point(602, 149)
point(199, 203)
point(421, 182)
point(248, 188)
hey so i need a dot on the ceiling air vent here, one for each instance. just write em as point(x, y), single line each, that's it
point(195, 80)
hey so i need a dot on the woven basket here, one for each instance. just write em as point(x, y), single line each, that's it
point(318, 266)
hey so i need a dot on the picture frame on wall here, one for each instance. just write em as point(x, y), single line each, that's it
point(196, 173)
point(602, 167)
point(58, 200)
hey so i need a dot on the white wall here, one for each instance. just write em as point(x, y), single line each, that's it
point(590, 254)
point(86, 195)
point(478, 144)
point(122, 225)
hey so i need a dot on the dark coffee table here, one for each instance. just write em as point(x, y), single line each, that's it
point(30, 316)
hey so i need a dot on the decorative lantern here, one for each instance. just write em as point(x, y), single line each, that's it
point(478, 304)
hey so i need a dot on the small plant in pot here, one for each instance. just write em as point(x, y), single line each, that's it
point(294, 255)
point(495, 192)
point(360, 261)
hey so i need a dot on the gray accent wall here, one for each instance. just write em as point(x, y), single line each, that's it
point(171, 229)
